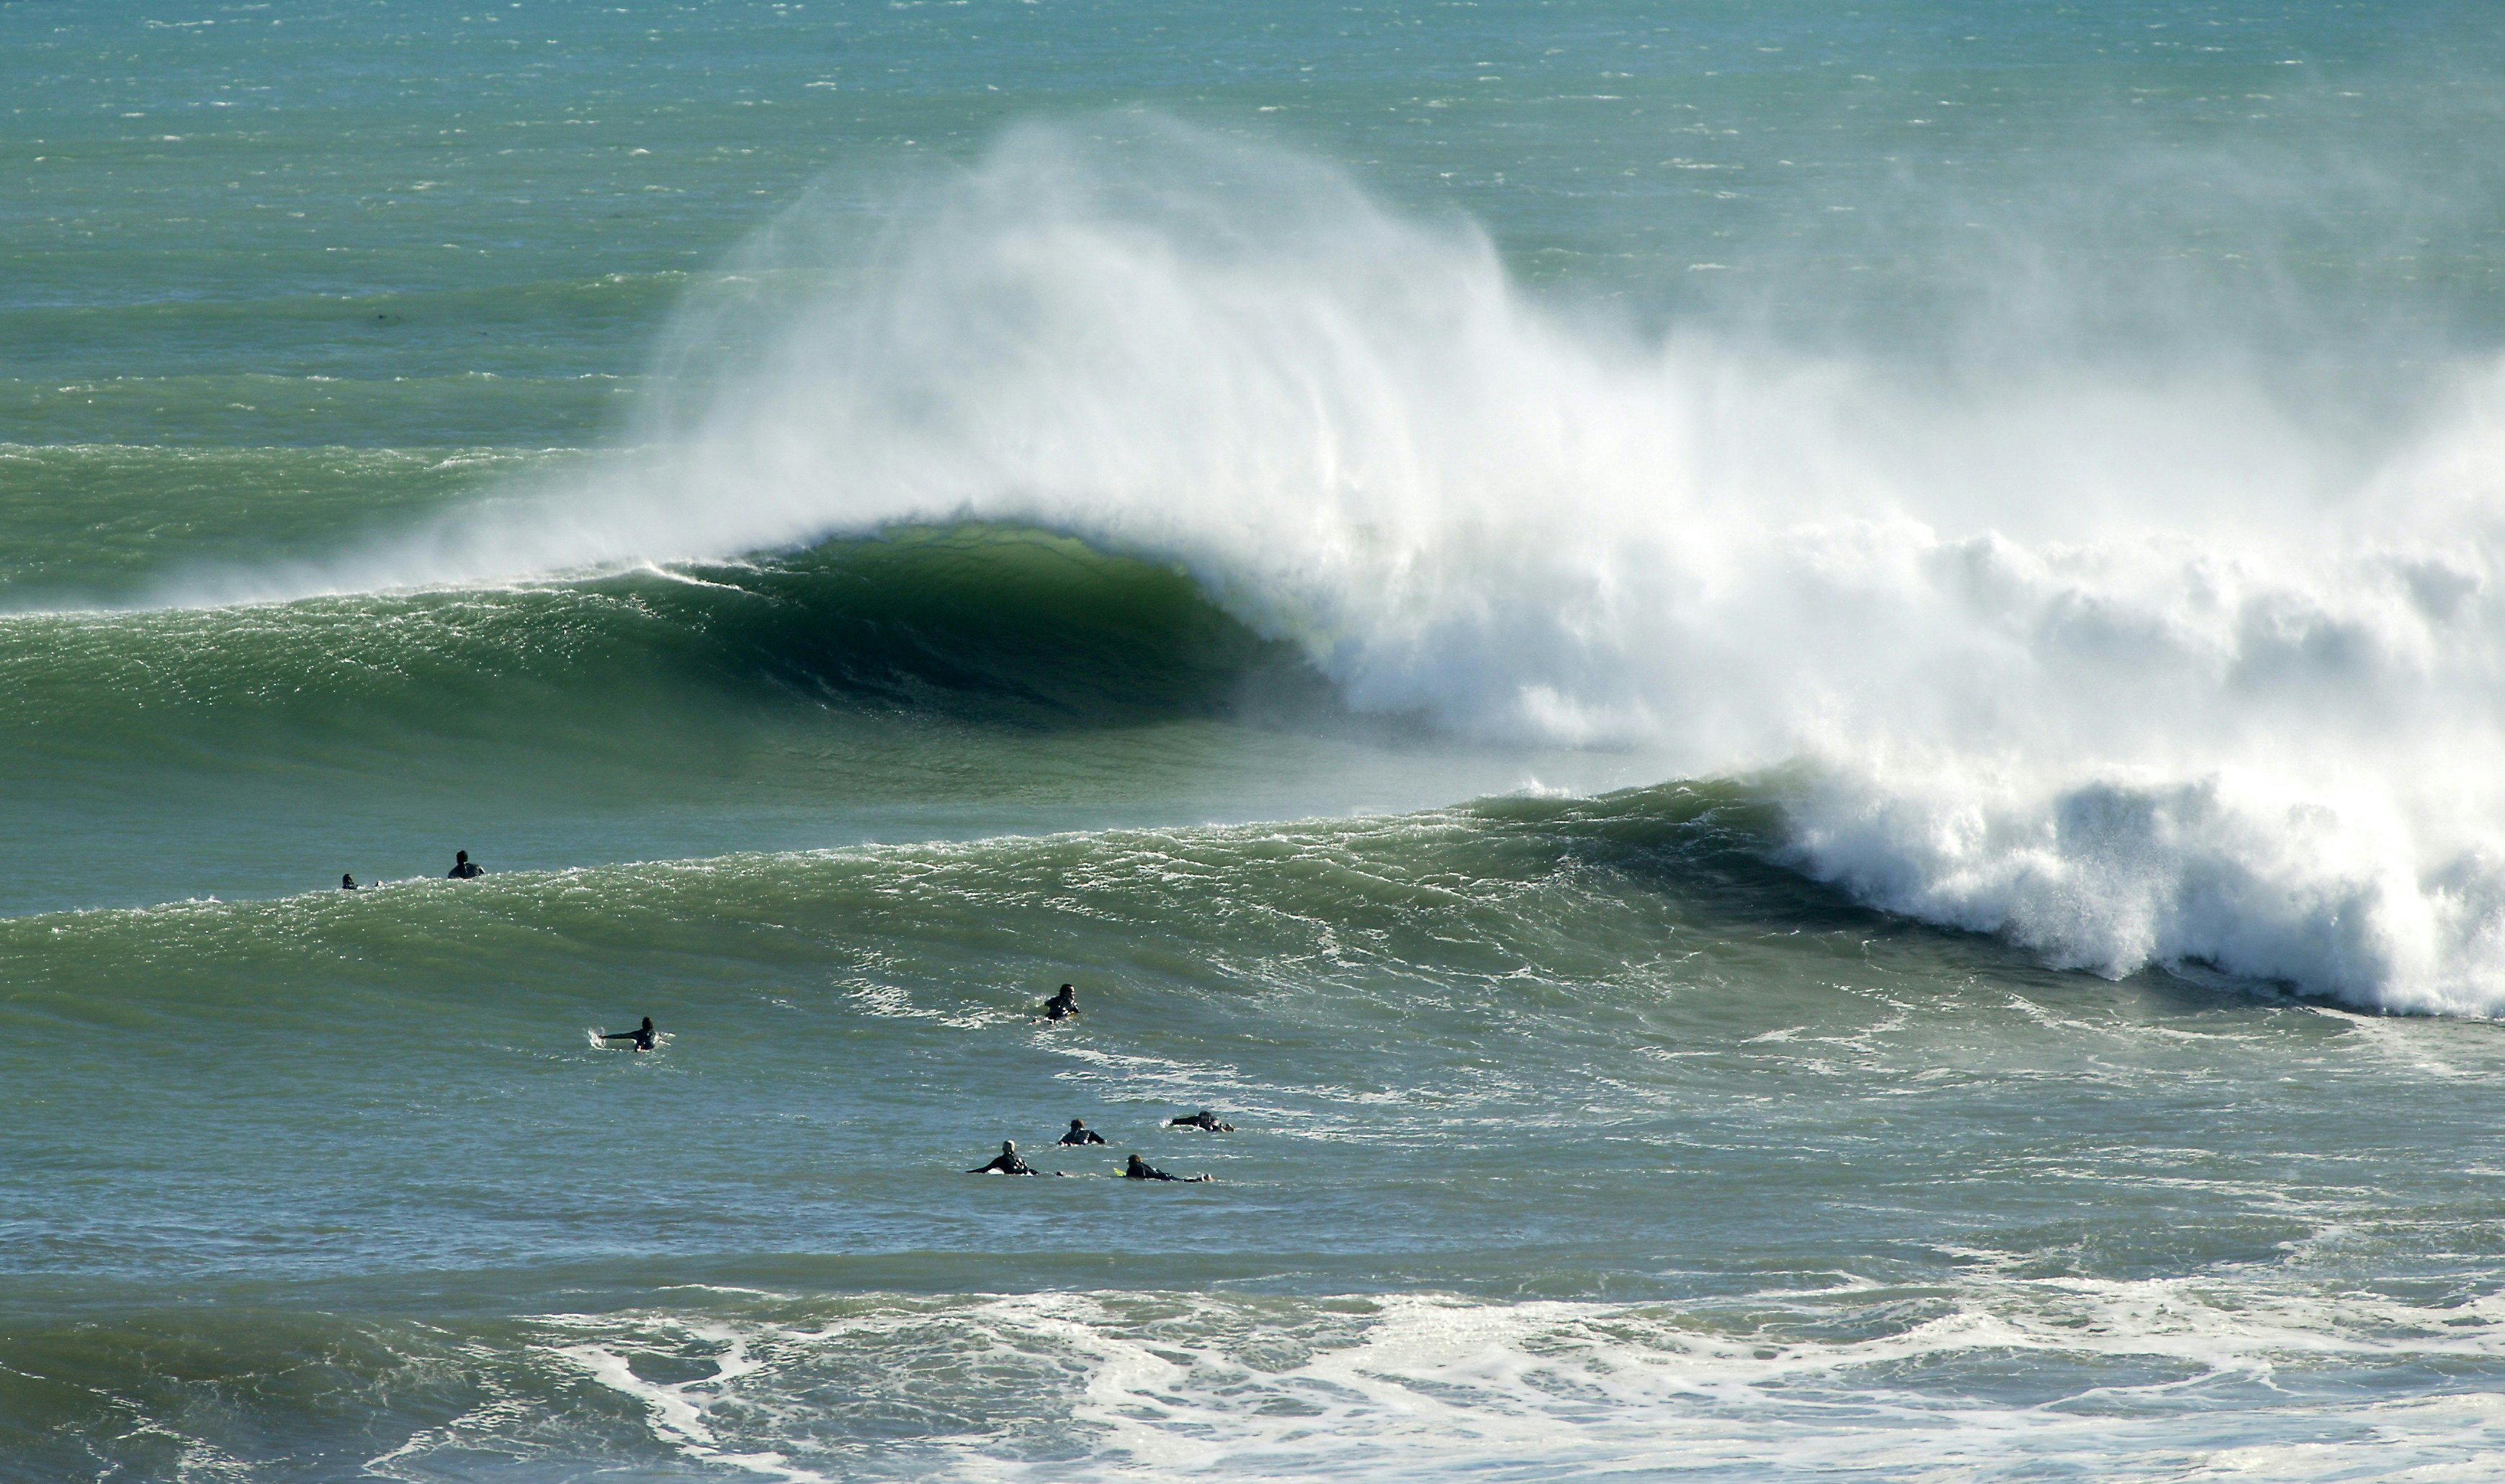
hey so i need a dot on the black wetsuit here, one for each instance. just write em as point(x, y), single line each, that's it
point(464, 870)
point(1202, 1119)
point(1062, 1005)
point(1140, 1169)
point(1081, 1134)
point(347, 883)
point(642, 1034)
point(1004, 1164)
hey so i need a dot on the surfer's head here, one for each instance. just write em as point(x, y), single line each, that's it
point(460, 858)
point(1008, 1145)
point(1076, 1124)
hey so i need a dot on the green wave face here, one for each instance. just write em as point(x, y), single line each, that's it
point(924, 681)
point(1009, 626)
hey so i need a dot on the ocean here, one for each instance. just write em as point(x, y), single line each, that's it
point(1795, 706)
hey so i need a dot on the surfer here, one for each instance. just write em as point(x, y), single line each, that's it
point(463, 868)
point(1062, 1005)
point(1005, 1162)
point(640, 1036)
point(347, 882)
point(1140, 1169)
point(1204, 1120)
point(1080, 1133)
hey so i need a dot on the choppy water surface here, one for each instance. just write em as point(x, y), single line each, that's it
point(1793, 709)
point(1569, 1137)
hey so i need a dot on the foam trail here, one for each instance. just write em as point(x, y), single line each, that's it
point(2135, 669)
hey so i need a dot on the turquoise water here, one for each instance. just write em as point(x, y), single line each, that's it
point(1790, 703)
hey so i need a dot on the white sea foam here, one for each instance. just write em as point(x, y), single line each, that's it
point(2006, 1379)
point(2145, 668)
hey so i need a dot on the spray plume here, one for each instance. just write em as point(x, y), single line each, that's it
point(2131, 670)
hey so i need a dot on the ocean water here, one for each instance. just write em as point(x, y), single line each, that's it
point(1794, 705)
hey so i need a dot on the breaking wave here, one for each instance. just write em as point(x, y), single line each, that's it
point(2131, 664)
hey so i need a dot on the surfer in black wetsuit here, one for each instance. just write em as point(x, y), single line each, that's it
point(1006, 1162)
point(347, 882)
point(640, 1036)
point(1204, 1120)
point(463, 868)
point(1140, 1169)
point(1080, 1133)
point(1062, 1005)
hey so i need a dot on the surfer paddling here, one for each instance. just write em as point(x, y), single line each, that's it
point(1062, 1005)
point(347, 882)
point(463, 868)
point(1140, 1169)
point(1204, 1120)
point(1080, 1133)
point(1005, 1162)
point(640, 1036)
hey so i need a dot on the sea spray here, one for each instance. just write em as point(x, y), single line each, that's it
point(2158, 668)
point(2135, 671)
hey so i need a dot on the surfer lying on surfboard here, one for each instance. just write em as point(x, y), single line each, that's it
point(1005, 1162)
point(1140, 1169)
point(640, 1036)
